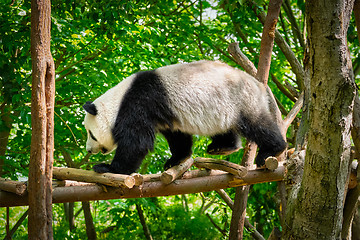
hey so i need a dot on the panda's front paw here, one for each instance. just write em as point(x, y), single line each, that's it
point(168, 165)
point(102, 168)
point(172, 162)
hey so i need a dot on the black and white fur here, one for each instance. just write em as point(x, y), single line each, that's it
point(203, 98)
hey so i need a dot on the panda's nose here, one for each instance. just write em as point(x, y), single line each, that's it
point(89, 151)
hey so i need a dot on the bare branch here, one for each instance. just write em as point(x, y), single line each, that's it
point(282, 88)
point(267, 40)
point(241, 59)
point(285, 48)
point(292, 114)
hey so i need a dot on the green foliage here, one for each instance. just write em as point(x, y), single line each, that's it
point(96, 44)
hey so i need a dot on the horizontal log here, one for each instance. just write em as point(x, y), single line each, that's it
point(16, 187)
point(110, 179)
point(207, 182)
point(69, 183)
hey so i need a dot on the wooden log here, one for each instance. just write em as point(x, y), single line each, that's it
point(16, 187)
point(176, 171)
point(139, 179)
point(152, 189)
point(271, 163)
point(110, 179)
point(187, 175)
point(226, 166)
point(152, 177)
point(69, 183)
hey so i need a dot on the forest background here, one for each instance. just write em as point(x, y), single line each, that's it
point(96, 44)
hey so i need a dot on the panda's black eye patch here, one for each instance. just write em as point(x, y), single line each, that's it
point(92, 136)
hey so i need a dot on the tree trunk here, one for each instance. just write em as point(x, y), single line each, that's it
point(90, 228)
point(143, 222)
point(315, 209)
point(267, 43)
point(42, 117)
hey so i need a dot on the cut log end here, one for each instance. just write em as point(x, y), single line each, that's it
point(271, 163)
point(139, 179)
point(129, 182)
point(167, 177)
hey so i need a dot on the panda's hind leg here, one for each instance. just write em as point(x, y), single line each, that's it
point(224, 144)
point(180, 146)
point(266, 134)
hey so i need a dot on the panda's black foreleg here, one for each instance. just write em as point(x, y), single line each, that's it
point(180, 146)
point(123, 162)
point(133, 143)
point(224, 144)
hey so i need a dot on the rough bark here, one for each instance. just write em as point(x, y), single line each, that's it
point(315, 210)
point(42, 109)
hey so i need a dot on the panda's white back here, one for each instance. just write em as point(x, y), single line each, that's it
point(207, 97)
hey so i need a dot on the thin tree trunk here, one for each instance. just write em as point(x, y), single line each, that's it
point(267, 43)
point(17, 225)
point(89, 223)
point(315, 210)
point(42, 109)
point(241, 195)
point(143, 222)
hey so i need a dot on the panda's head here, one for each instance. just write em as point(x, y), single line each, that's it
point(98, 126)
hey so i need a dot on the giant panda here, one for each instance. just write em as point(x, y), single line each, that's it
point(206, 98)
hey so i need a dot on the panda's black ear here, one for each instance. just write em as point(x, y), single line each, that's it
point(90, 108)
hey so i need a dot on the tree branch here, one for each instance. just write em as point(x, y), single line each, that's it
point(89, 223)
point(143, 222)
point(247, 224)
point(284, 47)
point(262, 74)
